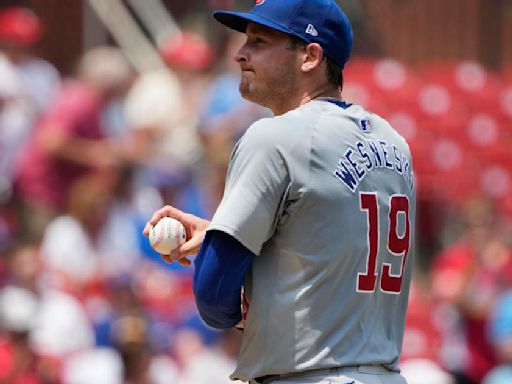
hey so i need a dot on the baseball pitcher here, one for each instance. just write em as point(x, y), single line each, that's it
point(317, 218)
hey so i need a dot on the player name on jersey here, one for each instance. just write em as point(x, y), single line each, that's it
point(368, 155)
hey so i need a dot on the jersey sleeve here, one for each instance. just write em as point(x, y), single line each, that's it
point(256, 186)
point(220, 269)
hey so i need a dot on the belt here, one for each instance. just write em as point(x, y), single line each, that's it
point(371, 369)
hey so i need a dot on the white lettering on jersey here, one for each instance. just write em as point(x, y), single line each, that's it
point(355, 164)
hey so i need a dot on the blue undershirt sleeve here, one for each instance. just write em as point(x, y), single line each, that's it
point(220, 269)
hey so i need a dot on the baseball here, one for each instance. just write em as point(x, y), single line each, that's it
point(167, 235)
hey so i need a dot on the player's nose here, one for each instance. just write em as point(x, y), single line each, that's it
point(242, 55)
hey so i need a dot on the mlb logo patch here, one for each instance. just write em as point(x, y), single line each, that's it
point(365, 125)
point(259, 2)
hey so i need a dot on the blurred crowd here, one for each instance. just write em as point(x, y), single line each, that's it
point(86, 159)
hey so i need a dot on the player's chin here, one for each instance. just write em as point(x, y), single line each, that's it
point(252, 93)
point(245, 90)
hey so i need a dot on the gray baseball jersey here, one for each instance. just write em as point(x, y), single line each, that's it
point(324, 196)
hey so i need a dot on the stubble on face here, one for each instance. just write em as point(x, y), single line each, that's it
point(270, 83)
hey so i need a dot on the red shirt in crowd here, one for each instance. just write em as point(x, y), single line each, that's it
point(473, 282)
point(46, 179)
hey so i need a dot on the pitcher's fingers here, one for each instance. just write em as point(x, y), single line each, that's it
point(174, 255)
point(147, 229)
point(180, 254)
point(162, 212)
point(152, 222)
point(185, 262)
point(191, 247)
point(167, 259)
point(166, 211)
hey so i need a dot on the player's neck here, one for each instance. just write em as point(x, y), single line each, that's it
point(326, 91)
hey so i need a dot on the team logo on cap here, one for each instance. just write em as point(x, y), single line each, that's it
point(311, 30)
point(259, 2)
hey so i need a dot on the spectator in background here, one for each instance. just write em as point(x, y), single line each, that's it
point(22, 266)
point(20, 31)
point(69, 142)
point(162, 108)
point(69, 247)
point(470, 275)
point(202, 364)
point(18, 362)
point(190, 56)
point(420, 360)
point(28, 85)
point(38, 327)
point(128, 329)
point(118, 239)
point(99, 366)
point(501, 336)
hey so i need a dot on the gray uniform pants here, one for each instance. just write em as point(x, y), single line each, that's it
point(342, 375)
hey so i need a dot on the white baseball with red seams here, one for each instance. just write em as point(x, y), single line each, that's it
point(167, 235)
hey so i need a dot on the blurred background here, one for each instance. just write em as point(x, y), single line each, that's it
point(110, 109)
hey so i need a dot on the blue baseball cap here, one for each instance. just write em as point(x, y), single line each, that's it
point(314, 21)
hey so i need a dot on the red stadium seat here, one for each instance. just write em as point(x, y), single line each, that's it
point(422, 337)
point(496, 182)
point(454, 170)
point(486, 137)
point(396, 81)
point(505, 101)
point(468, 80)
point(359, 87)
point(361, 93)
point(359, 70)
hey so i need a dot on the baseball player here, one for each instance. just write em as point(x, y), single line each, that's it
point(317, 218)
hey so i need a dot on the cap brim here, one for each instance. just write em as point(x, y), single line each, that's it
point(239, 20)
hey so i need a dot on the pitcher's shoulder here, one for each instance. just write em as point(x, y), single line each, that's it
point(280, 129)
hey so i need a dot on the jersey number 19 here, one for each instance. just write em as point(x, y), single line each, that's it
point(397, 244)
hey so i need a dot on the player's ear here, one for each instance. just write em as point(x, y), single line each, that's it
point(313, 57)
